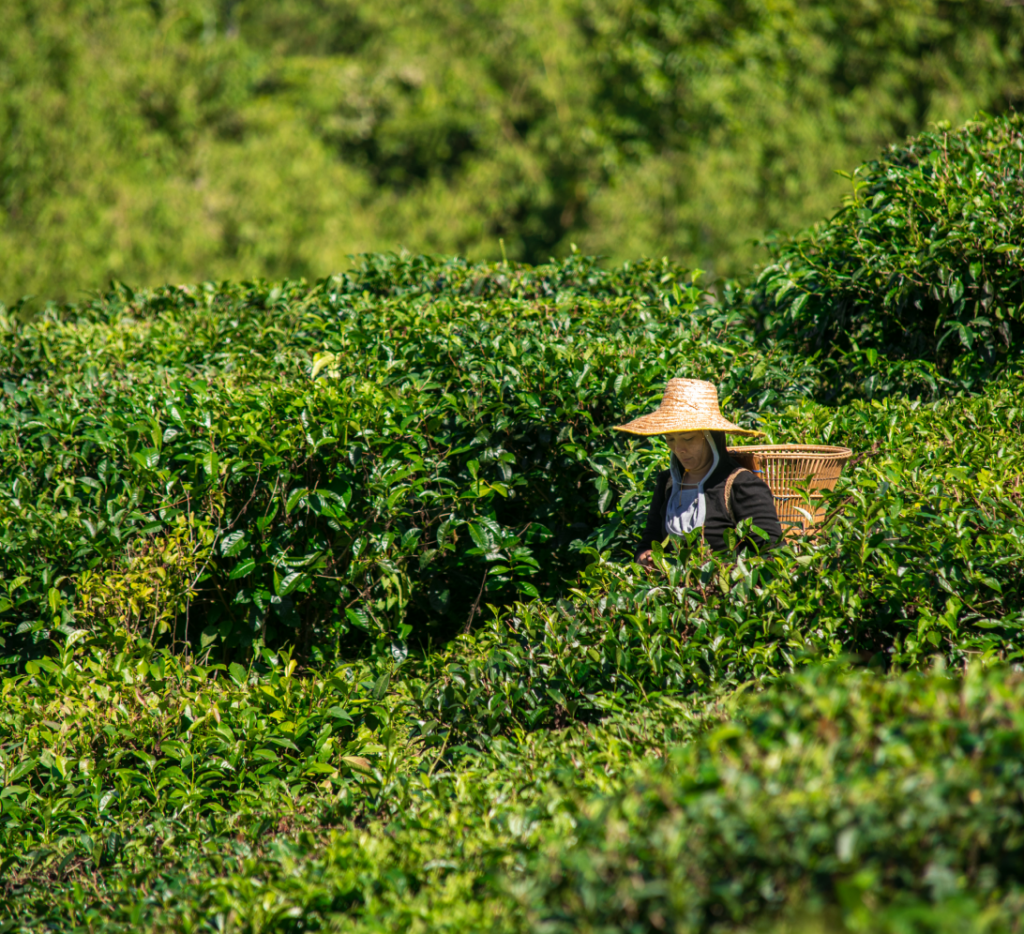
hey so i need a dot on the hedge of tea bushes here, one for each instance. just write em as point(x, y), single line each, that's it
point(865, 796)
point(923, 263)
point(923, 555)
point(365, 459)
point(256, 326)
point(374, 459)
point(867, 801)
point(404, 479)
point(426, 789)
point(91, 740)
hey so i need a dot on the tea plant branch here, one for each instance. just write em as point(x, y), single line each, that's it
point(476, 603)
point(362, 595)
point(444, 746)
point(241, 512)
point(195, 580)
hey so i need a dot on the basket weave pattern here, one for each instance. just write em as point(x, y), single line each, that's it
point(688, 405)
point(786, 468)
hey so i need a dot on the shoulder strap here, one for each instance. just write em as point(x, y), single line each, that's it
point(728, 492)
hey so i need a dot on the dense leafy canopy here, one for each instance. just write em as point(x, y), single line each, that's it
point(884, 803)
point(925, 261)
point(391, 463)
point(317, 609)
point(179, 140)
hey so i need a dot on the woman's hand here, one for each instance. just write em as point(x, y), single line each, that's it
point(645, 559)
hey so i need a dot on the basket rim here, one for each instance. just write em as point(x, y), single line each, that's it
point(794, 450)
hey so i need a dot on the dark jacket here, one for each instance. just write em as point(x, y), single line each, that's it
point(751, 498)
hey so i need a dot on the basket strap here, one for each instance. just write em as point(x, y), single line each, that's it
point(728, 492)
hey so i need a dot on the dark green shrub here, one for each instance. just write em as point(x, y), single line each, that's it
point(378, 455)
point(878, 800)
point(924, 262)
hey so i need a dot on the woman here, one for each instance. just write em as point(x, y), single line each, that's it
point(702, 488)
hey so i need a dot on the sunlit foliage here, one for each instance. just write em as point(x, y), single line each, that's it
point(318, 613)
point(201, 139)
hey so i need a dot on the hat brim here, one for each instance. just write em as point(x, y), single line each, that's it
point(660, 423)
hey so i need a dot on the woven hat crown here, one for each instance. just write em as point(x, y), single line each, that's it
point(687, 405)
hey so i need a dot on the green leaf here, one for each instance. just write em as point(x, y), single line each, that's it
point(243, 569)
point(380, 686)
point(482, 536)
point(232, 543)
point(294, 498)
point(290, 582)
point(992, 583)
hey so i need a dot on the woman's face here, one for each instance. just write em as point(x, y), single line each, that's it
point(690, 448)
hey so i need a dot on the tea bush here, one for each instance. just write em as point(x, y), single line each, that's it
point(318, 613)
point(377, 455)
point(876, 803)
point(93, 738)
point(907, 790)
point(923, 262)
point(880, 799)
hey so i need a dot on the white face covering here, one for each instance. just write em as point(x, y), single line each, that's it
point(686, 509)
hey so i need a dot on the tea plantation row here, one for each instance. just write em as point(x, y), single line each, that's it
point(143, 790)
point(859, 801)
point(353, 465)
point(356, 465)
point(317, 611)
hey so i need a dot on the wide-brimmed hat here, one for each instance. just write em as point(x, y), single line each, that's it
point(688, 405)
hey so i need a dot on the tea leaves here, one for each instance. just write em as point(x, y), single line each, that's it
point(318, 612)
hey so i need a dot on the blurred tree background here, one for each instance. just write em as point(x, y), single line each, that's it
point(163, 140)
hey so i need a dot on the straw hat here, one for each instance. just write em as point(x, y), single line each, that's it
point(688, 405)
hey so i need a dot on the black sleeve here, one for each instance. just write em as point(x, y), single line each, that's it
point(654, 531)
point(752, 499)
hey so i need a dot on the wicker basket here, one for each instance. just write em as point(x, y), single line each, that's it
point(785, 467)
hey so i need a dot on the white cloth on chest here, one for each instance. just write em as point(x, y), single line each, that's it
point(686, 508)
